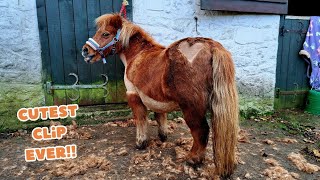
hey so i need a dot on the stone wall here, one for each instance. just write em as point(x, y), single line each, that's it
point(252, 40)
point(20, 60)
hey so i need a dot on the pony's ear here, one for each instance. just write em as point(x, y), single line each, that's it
point(116, 21)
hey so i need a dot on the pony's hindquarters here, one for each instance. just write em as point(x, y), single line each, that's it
point(224, 101)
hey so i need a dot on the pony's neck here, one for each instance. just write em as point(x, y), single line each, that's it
point(139, 43)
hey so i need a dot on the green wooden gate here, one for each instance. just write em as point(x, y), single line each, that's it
point(64, 27)
point(292, 83)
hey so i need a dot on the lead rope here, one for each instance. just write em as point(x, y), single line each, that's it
point(123, 9)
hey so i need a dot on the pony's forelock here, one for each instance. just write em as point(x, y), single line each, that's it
point(107, 19)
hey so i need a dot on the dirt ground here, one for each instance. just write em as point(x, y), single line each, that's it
point(270, 147)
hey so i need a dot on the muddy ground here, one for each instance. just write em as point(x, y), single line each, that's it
point(279, 146)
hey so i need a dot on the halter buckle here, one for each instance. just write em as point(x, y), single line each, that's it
point(104, 60)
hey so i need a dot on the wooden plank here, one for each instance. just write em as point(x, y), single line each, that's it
point(44, 41)
point(54, 34)
point(119, 70)
point(81, 32)
point(291, 82)
point(285, 62)
point(279, 101)
point(93, 9)
point(117, 5)
point(106, 7)
point(110, 68)
point(121, 89)
point(294, 76)
point(279, 53)
point(245, 6)
point(292, 58)
point(300, 63)
point(304, 79)
point(130, 11)
point(68, 45)
point(302, 68)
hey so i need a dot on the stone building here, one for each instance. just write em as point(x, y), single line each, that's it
point(251, 38)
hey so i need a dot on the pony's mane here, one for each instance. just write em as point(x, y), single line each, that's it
point(128, 29)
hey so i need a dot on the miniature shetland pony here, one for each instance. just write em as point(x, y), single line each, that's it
point(192, 74)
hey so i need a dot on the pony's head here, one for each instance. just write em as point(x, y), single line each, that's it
point(105, 41)
point(112, 36)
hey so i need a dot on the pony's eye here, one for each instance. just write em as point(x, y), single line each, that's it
point(105, 34)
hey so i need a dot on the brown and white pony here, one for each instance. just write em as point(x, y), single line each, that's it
point(193, 74)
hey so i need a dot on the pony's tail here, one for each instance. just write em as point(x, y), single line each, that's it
point(224, 99)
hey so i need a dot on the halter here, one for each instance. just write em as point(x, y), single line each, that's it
point(95, 46)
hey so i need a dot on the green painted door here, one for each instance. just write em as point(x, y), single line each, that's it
point(64, 26)
point(291, 79)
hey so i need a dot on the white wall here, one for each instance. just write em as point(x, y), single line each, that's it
point(20, 58)
point(252, 40)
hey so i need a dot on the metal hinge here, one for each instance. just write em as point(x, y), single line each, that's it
point(300, 31)
point(75, 86)
point(295, 93)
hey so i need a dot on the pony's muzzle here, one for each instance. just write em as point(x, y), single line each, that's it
point(85, 54)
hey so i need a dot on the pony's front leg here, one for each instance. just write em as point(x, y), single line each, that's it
point(140, 116)
point(161, 119)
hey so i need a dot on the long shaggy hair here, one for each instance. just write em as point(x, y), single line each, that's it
point(194, 74)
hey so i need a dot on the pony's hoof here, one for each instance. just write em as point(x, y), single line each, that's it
point(163, 137)
point(195, 161)
point(194, 164)
point(142, 145)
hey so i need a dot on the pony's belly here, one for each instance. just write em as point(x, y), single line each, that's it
point(150, 103)
point(157, 106)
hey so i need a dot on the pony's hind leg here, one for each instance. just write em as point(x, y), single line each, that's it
point(200, 132)
point(161, 119)
point(140, 116)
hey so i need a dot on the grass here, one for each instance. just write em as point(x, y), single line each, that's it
point(289, 121)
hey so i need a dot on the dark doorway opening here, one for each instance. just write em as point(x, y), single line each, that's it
point(303, 8)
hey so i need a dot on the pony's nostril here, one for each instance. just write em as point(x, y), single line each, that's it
point(85, 52)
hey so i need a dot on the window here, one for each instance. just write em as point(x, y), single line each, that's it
point(255, 6)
